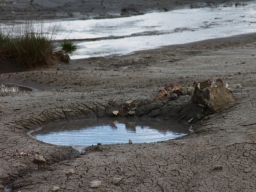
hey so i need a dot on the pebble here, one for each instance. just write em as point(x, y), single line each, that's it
point(217, 168)
point(39, 159)
point(117, 180)
point(23, 154)
point(55, 188)
point(173, 96)
point(238, 86)
point(129, 102)
point(95, 184)
point(131, 112)
point(70, 172)
point(115, 112)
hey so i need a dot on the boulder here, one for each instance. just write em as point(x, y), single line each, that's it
point(208, 97)
point(212, 94)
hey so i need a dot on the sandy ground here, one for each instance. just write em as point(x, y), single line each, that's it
point(219, 156)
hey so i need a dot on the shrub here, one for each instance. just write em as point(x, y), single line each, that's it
point(68, 46)
point(29, 49)
point(6, 45)
point(33, 50)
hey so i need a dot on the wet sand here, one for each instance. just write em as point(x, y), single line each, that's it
point(218, 156)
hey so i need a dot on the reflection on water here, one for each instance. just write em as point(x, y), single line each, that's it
point(13, 88)
point(109, 131)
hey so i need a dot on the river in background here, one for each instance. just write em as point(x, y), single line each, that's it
point(118, 36)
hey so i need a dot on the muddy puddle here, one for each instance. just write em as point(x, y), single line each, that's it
point(13, 88)
point(109, 131)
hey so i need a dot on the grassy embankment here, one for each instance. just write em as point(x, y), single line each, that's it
point(28, 49)
point(31, 49)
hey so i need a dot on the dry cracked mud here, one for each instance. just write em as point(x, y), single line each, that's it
point(219, 156)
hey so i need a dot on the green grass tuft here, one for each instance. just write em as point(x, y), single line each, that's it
point(68, 46)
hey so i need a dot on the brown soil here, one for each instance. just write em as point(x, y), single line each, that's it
point(219, 156)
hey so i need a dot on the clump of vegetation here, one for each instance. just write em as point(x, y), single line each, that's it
point(5, 45)
point(68, 46)
point(29, 49)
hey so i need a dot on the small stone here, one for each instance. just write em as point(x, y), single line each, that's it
point(67, 110)
point(129, 103)
point(217, 168)
point(173, 96)
point(191, 129)
point(112, 102)
point(95, 184)
point(70, 172)
point(131, 112)
point(16, 154)
point(23, 154)
point(116, 180)
point(39, 159)
point(115, 112)
point(130, 141)
point(190, 120)
point(238, 86)
point(55, 188)
point(202, 105)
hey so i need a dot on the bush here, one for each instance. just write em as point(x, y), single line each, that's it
point(28, 49)
point(5, 45)
point(68, 46)
point(33, 50)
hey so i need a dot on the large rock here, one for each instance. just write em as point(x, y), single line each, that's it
point(212, 94)
point(208, 97)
